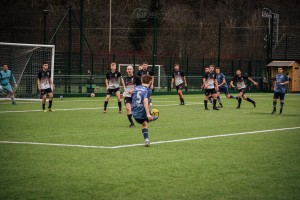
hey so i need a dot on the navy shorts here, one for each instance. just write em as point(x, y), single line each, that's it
point(110, 91)
point(210, 92)
point(224, 89)
point(141, 121)
point(279, 95)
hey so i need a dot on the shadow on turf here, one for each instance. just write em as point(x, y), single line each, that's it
point(276, 114)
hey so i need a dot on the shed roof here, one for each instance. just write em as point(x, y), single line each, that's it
point(281, 63)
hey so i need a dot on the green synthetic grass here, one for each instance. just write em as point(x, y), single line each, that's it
point(255, 166)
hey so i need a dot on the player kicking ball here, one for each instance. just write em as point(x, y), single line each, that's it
point(5, 77)
point(140, 106)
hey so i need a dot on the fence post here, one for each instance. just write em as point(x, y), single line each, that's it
point(187, 70)
point(133, 62)
point(81, 43)
point(219, 47)
point(103, 65)
point(232, 67)
point(170, 75)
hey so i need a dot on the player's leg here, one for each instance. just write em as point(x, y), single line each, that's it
point(250, 100)
point(108, 94)
point(127, 101)
point(281, 102)
point(10, 92)
point(219, 99)
point(179, 91)
point(206, 96)
point(145, 133)
point(50, 94)
point(119, 100)
point(215, 97)
point(275, 98)
point(240, 96)
point(44, 96)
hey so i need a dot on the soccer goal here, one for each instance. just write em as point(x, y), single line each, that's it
point(159, 73)
point(25, 61)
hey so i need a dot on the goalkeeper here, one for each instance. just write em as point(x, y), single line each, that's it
point(6, 77)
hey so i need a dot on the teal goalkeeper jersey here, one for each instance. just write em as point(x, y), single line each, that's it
point(6, 77)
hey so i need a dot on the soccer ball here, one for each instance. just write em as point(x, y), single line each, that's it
point(154, 112)
point(92, 94)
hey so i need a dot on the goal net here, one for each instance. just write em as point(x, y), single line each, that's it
point(25, 61)
point(159, 73)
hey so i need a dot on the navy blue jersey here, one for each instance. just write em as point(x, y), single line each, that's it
point(280, 78)
point(137, 107)
point(142, 72)
point(220, 79)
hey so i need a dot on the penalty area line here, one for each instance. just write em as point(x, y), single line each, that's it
point(152, 143)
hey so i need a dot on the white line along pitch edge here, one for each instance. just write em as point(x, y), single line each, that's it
point(152, 143)
point(95, 108)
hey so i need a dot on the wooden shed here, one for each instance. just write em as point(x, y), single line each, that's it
point(291, 69)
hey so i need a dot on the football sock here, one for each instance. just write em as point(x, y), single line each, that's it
point(50, 104)
point(120, 105)
point(205, 103)
point(181, 100)
point(214, 103)
point(219, 100)
point(44, 106)
point(105, 105)
point(274, 105)
point(232, 97)
point(250, 100)
point(130, 118)
point(210, 99)
point(240, 101)
point(145, 133)
point(281, 105)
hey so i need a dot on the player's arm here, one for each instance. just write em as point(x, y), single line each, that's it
point(172, 82)
point(285, 82)
point(184, 80)
point(254, 83)
point(146, 106)
point(231, 84)
point(216, 85)
point(274, 85)
point(123, 83)
point(12, 78)
point(106, 81)
point(204, 83)
point(223, 82)
point(152, 84)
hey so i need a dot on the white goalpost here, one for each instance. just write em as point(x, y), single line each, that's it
point(25, 61)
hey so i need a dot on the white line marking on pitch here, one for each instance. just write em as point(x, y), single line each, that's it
point(95, 108)
point(152, 143)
